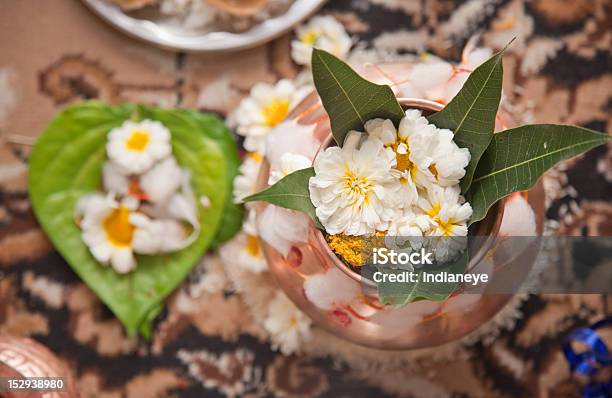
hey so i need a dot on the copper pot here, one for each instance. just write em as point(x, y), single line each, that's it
point(419, 324)
point(21, 357)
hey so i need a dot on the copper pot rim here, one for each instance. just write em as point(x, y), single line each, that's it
point(489, 226)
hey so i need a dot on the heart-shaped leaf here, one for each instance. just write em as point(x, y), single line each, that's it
point(471, 113)
point(66, 163)
point(516, 158)
point(290, 192)
point(348, 98)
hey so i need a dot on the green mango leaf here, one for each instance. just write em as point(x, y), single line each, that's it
point(215, 129)
point(398, 294)
point(290, 192)
point(349, 99)
point(66, 163)
point(471, 113)
point(517, 157)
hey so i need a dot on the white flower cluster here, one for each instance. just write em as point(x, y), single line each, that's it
point(404, 181)
point(260, 119)
point(322, 32)
point(288, 147)
point(287, 324)
point(266, 107)
point(147, 207)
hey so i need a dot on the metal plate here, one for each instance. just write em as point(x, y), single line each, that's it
point(172, 36)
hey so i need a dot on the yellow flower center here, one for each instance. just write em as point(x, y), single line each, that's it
point(446, 226)
point(434, 211)
point(310, 38)
point(357, 186)
point(256, 156)
point(138, 141)
point(275, 112)
point(252, 246)
point(403, 160)
point(117, 227)
point(433, 170)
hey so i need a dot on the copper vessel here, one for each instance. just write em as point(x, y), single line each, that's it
point(419, 324)
point(21, 357)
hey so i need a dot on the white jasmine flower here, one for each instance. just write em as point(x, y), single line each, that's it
point(448, 213)
point(406, 231)
point(413, 145)
point(331, 289)
point(107, 230)
point(291, 137)
point(287, 325)
point(136, 146)
point(265, 108)
point(162, 180)
point(245, 250)
point(452, 220)
point(280, 228)
point(438, 198)
point(420, 138)
point(181, 205)
point(353, 190)
point(289, 163)
point(168, 232)
point(451, 223)
point(407, 223)
point(448, 161)
point(159, 235)
point(323, 32)
point(245, 183)
point(424, 153)
point(114, 179)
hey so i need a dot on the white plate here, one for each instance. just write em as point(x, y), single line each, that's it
point(171, 36)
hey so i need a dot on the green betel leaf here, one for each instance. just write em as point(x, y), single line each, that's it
point(290, 192)
point(516, 158)
point(398, 294)
point(66, 163)
point(471, 113)
point(349, 99)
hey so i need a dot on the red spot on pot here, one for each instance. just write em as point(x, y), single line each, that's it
point(341, 317)
point(295, 257)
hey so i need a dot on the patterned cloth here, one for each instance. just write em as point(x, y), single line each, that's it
point(56, 52)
